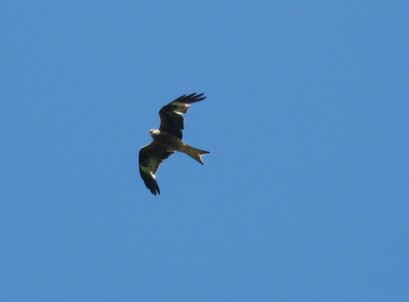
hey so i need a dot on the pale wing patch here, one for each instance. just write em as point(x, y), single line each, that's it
point(148, 170)
point(180, 108)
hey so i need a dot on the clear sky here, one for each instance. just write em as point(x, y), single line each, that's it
point(304, 196)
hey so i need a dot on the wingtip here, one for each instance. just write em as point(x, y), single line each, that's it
point(197, 96)
point(155, 191)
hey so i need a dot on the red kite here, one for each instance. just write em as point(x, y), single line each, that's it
point(168, 139)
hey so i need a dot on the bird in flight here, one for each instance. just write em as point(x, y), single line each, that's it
point(168, 139)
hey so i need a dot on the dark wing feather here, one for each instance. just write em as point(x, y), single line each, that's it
point(171, 115)
point(150, 157)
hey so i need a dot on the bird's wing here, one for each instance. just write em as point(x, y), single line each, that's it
point(150, 157)
point(171, 115)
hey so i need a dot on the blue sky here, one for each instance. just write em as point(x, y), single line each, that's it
point(304, 196)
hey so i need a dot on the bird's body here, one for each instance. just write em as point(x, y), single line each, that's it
point(167, 139)
point(171, 142)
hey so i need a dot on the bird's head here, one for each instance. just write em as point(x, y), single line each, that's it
point(154, 132)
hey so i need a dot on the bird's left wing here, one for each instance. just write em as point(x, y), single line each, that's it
point(150, 157)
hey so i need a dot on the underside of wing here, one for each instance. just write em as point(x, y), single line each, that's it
point(171, 115)
point(150, 157)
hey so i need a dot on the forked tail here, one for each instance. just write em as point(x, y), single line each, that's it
point(194, 153)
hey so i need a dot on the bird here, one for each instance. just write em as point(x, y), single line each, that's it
point(168, 139)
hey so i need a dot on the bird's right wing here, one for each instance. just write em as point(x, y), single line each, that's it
point(150, 157)
point(171, 115)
